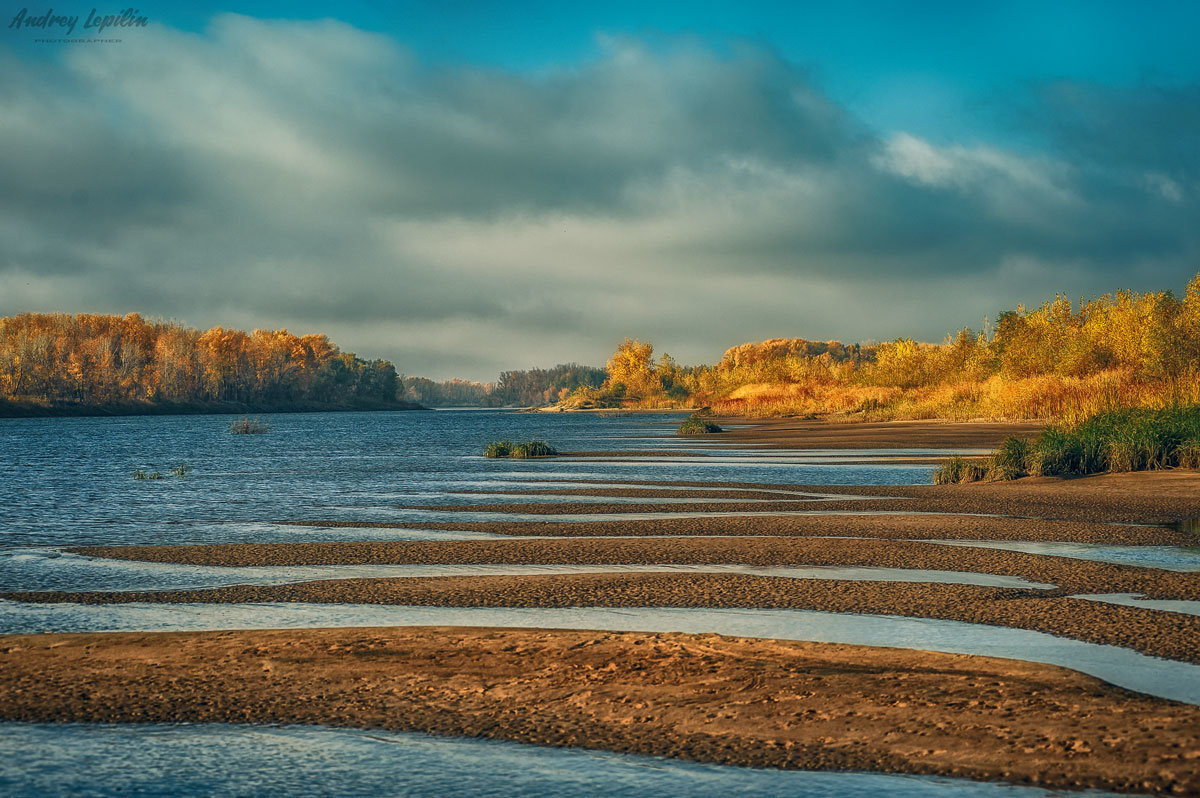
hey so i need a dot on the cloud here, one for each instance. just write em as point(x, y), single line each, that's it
point(463, 220)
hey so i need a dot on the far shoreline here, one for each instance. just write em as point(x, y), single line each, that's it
point(10, 409)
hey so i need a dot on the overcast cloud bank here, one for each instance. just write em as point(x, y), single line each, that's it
point(461, 221)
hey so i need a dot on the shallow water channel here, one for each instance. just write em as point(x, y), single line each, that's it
point(1168, 679)
point(50, 569)
point(218, 759)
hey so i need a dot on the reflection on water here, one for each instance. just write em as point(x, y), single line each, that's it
point(48, 569)
point(1167, 558)
point(1176, 680)
point(68, 481)
point(1137, 600)
point(552, 498)
point(216, 759)
point(552, 484)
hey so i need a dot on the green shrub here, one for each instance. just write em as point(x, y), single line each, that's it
point(498, 449)
point(529, 449)
point(697, 426)
point(1054, 452)
point(1113, 441)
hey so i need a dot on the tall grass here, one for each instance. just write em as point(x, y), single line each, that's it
point(957, 470)
point(1065, 399)
point(1114, 441)
point(1009, 461)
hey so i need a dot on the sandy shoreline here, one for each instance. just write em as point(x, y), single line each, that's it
point(792, 433)
point(707, 698)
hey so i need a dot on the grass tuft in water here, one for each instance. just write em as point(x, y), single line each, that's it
point(533, 449)
point(247, 426)
point(519, 451)
point(498, 449)
point(698, 426)
point(143, 474)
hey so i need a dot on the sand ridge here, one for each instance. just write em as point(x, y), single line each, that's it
point(702, 697)
point(1163, 634)
point(1069, 574)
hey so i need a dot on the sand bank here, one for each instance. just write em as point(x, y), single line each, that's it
point(707, 698)
point(1071, 575)
point(1163, 634)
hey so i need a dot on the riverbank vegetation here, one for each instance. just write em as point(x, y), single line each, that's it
point(1132, 439)
point(64, 364)
point(1062, 361)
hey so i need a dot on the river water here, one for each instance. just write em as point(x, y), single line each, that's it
point(66, 482)
point(185, 760)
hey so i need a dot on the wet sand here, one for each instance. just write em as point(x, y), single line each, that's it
point(701, 697)
point(1163, 634)
point(887, 527)
point(1071, 575)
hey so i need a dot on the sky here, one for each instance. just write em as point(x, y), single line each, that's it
point(468, 187)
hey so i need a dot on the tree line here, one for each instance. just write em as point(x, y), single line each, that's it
point(104, 360)
point(517, 388)
point(1060, 360)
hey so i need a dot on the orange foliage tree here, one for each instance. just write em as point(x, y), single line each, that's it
point(98, 360)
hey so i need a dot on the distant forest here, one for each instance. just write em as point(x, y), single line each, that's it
point(61, 363)
point(529, 388)
point(64, 363)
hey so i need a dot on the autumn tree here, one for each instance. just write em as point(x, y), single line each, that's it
point(97, 360)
